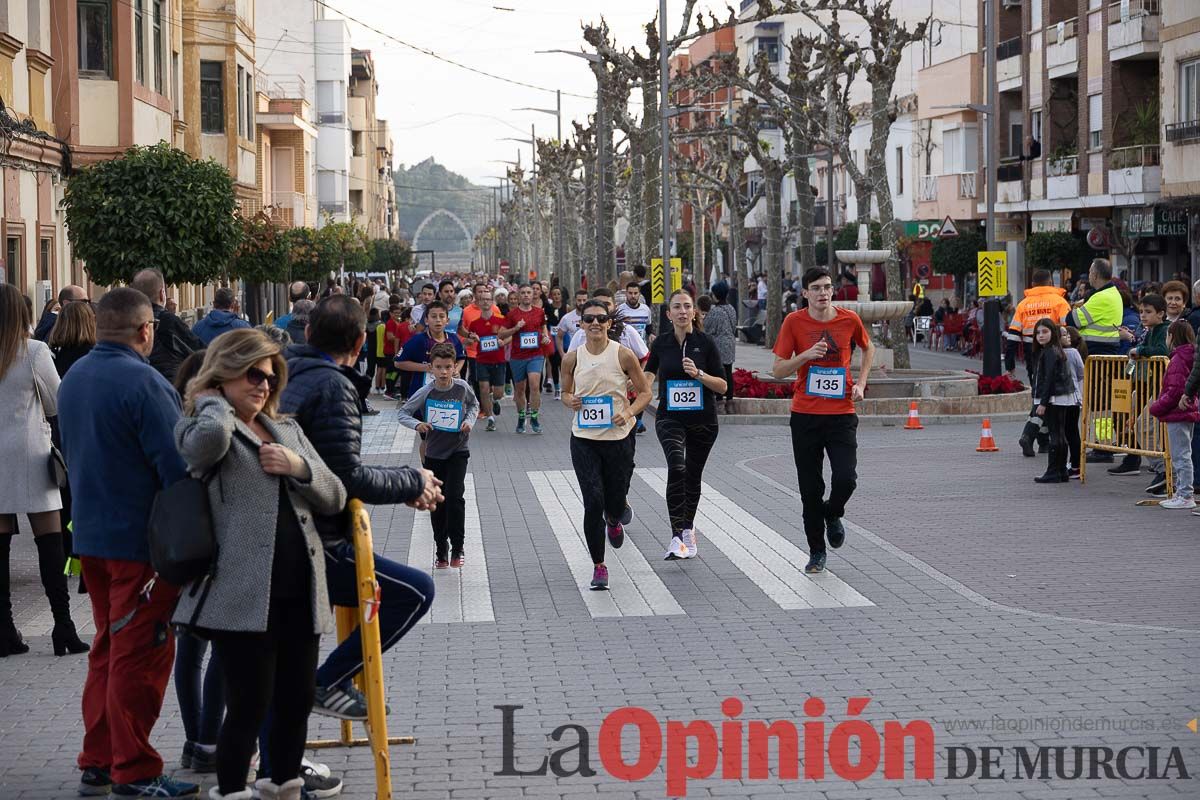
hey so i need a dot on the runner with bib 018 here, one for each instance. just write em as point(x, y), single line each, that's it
point(594, 380)
point(814, 343)
point(690, 377)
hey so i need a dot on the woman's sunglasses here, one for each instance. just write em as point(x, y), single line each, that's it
point(590, 318)
point(256, 376)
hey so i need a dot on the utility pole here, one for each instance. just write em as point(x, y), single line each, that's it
point(664, 77)
point(991, 309)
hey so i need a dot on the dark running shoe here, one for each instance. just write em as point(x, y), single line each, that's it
point(835, 532)
point(816, 564)
point(95, 782)
point(318, 785)
point(341, 702)
point(600, 578)
point(495, 408)
point(627, 515)
point(162, 786)
point(1158, 488)
point(204, 761)
point(1027, 447)
point(1126, 469)
point(185, 760)
point(616, 535)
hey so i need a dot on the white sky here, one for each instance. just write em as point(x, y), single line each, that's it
point(456, 116)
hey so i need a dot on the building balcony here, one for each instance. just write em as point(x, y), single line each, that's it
point(1008, 65)
point(951, 195)
point(1062, 48)
point(286, 209)
point(1183, 131)
point(1010, 184)
point(927, 189)
point(1135, 170)
point(1062, 178)
point(1133, 30)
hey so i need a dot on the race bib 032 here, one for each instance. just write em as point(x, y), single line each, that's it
point(685, 396)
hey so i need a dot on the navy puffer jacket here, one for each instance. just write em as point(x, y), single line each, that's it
point(323, 398)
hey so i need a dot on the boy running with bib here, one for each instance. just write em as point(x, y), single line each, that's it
point(814, 343)
point(490, 334)
point(444, 412)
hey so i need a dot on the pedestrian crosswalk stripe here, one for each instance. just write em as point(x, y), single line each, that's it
point(635, 590)
point(461, 595)
point(762, 555)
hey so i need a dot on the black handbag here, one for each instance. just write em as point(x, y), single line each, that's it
point(183, 542)
point(55, 462)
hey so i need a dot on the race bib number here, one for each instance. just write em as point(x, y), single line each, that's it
point(827, 382)
point(685, 396)
point(489, 344)
point(554, 331)
point(597, 412)
point(529, 341)
point(444, 415)
point(640, 327)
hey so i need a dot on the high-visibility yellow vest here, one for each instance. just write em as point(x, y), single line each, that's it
point(1100, 317)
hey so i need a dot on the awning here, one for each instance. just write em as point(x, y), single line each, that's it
point(1050, 221)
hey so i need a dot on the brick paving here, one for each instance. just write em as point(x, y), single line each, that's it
point(996, 604)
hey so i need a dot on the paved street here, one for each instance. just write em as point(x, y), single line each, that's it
point(1002, 612)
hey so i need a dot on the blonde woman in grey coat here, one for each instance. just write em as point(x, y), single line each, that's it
point(266, 604)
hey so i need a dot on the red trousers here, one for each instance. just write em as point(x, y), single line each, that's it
point(128, 668)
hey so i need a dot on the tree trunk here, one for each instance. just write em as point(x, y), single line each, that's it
point(878, 171)
point(737, 238)
point(651, 169)
point(773, 263)
point(802, 175)
point(590, 213)
point(635, 252)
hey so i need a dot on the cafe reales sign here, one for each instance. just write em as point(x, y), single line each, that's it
point(1156, 221)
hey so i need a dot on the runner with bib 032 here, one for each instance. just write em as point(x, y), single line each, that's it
point(814, 343)
point(594, 379)
point(690, 377)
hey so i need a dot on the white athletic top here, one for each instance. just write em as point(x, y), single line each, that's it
point(601, 377)
point(639, 316)
point(629, 337)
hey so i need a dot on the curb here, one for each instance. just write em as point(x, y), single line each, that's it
point(873, 420)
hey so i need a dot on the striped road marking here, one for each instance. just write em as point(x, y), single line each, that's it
point(462, 595)
point(634, 588)
point(773, 563)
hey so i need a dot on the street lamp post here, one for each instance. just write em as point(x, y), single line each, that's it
point(537, 203)
point(559, 192)
point(664, 78)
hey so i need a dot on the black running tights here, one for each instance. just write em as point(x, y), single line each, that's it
point(604, 469)
point(686, 448)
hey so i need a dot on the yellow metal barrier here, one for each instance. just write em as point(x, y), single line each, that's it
point(1117, 394)
point(370, 681)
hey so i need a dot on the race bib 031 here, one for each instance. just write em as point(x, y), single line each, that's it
point(597, 412)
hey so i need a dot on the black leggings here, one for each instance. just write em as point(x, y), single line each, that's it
point(275, 670)
point(1071, 434)
point(686, 448)
point(728, 382)
point(449, 519)
point(555, 362)
point(1056, 418)
point(604, 469)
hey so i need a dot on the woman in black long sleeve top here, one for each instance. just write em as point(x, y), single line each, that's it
point(1051, 379)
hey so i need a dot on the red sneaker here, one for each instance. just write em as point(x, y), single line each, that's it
point(457, 561)
point(441, 563)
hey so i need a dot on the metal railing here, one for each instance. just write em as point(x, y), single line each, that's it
point(1062, 31)
point(1143, 155)
point(1121, 11)
point(1008, 171)
point(1008, 48)
point(1062, 166)
point(1183, 131)
point(966, 185)
point(927, 189)
point(1117, 394)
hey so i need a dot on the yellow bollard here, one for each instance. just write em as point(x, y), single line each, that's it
point(371, 679)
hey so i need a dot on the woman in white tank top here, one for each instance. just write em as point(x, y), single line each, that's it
point(594, 378)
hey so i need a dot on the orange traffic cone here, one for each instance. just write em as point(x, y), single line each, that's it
point(987, 442)
point(914, 421)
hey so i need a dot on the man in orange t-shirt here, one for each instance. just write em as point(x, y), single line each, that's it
point(814, 343)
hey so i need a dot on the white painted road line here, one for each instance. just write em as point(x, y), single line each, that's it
point(768, 559)
point(460, 595)
point(634, 588)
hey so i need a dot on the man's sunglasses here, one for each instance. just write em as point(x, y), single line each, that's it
point(590, 318)
point(255, 377)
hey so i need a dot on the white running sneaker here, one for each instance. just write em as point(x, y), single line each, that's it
point(1178, 502)
point(677, 550)
point(320, 769)
point(691, 541)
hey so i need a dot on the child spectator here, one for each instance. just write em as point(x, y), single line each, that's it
point(1075, 350)
point(1152, 342)
point(1179, 420)
point(444, 412)
point(1054, 390)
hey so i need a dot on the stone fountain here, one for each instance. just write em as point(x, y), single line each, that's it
point(871, 311)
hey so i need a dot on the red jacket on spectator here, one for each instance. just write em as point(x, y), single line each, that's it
point(1166, 407)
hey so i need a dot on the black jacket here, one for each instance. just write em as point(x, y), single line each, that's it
point(173, 342)
point(1051, 377)
point(327, 403)
point(65, 357)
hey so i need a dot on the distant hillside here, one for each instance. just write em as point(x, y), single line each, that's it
point(424, 188)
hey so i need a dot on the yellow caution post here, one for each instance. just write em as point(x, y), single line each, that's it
point(1117, 394)
point(370, 682)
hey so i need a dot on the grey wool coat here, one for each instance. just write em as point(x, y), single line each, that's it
point(25, 484)
point(245, 506)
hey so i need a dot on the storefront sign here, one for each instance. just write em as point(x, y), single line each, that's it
point(1138, 222)
point(1170, 221)
point(1154, 221)
point(1010, 229)
point(929, 229)
point(1052, 223)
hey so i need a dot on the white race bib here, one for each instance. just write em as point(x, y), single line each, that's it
point(597, 412)
point(685, 396)
point(444, 415)
point(489, 344)
point(826, 382)
point(529, 341)
point(640, 327)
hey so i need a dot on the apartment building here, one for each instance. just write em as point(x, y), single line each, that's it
point(371, 156)
point(1079, 130)
point(219, 95)
point(31, 224)
point(332, 73)
point(1179, 68)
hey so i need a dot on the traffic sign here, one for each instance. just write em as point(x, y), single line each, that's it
point(993, 273)
point(658, 282)
point(948, 229)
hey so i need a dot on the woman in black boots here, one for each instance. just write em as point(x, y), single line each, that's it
point(1054, 393)
point(28, 398)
